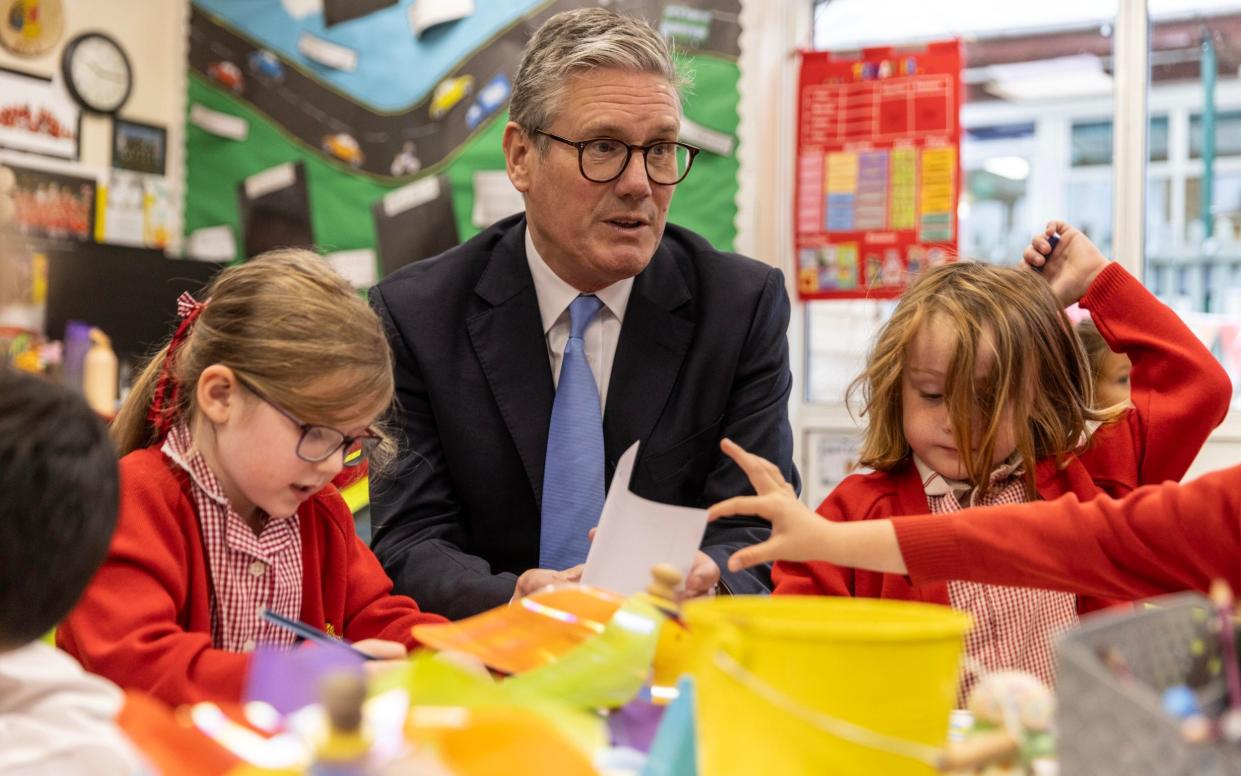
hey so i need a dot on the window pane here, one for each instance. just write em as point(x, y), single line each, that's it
point(1092, 141)
point(1227, 134)
point(1193, 257)
point(1025, 90)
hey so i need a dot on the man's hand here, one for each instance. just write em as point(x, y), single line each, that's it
point(703, 576)
point(1071, 267)
point(537, 579)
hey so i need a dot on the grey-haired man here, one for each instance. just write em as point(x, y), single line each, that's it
point(681, 344)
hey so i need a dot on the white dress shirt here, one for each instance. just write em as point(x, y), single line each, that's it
point(600, 337)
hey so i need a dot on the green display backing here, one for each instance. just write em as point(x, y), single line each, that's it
point(341, 198)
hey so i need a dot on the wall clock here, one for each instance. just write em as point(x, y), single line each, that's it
point(97, 72)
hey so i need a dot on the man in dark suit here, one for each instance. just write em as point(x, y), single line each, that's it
point(680, 345)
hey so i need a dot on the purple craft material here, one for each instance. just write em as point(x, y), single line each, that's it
point(634, 724)
point(289, 679)
point(77, 342)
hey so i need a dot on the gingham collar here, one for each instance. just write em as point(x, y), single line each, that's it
point(936, 484)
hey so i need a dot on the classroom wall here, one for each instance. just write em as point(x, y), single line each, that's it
point(152, 32)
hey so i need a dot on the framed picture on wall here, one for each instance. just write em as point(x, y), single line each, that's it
point(53, 205)
point(139, 147)
point(36, 116)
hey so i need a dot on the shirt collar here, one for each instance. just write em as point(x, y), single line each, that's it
point(179, 447)
point(936, 484)
point(555, 295)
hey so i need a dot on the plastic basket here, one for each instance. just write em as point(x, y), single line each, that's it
point(1109, 725)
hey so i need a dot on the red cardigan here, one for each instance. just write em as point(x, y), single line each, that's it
point(1159, 539)
point(1179, 393)
point(145, 619)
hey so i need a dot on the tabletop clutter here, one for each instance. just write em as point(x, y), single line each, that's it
point(579, 680)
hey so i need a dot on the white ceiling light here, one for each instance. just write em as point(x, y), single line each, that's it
point(1060, 78)
point(1015, 168)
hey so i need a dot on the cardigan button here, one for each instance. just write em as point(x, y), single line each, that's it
point(258, 568)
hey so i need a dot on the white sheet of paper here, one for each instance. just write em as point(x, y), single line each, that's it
point(494, 198)
point(705, 138)
point(411, 195)
point(212, 243)
point(424, 14)
point(272, 179)
point(356, 266)
point(300, 9)
point(220, 124)
point(122, 219)
point(635, 534)
point(327, 53)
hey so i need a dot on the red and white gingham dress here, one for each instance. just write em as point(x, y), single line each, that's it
point(247, 572)
point(1013, 626)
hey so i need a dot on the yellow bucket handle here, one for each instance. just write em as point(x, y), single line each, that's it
point(833, 726)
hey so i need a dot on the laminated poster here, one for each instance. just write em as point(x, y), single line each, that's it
point(878, 169)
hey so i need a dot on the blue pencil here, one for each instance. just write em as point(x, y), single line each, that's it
point(310, 633)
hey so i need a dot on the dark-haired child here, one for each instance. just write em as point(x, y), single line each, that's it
point(58, 478)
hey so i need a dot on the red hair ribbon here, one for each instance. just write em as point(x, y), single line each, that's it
point(167, 390)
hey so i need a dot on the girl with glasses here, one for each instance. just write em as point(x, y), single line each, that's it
point(229, 440)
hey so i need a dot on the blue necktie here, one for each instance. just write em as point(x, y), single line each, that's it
point(573, 470)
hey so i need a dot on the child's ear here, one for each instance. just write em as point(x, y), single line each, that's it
point(217, 393)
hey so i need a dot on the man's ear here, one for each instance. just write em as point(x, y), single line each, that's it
point(519, 152)
point(217, 393)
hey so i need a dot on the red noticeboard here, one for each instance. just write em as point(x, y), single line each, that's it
point(878, 169)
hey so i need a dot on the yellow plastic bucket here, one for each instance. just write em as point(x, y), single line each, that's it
point(794, 685)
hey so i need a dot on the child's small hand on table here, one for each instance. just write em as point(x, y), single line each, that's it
point(387, 654)
point(797, 533)
point(1071, 267)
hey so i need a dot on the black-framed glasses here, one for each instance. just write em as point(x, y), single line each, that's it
point(318, 443)
point(604, 159)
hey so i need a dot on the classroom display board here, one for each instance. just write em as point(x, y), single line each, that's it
point(878, 169)
point(388, 122)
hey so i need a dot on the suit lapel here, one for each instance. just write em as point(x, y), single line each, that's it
point(653, 343)
point(508, 340)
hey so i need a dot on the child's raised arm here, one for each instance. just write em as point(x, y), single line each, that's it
point(1071, 267)
point(797, 533)
point(1179, 391)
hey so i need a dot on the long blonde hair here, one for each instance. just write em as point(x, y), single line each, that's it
point(281, 321)
point(1040, 371)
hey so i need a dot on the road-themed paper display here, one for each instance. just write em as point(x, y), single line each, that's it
point(316, 82)
point(878, 169)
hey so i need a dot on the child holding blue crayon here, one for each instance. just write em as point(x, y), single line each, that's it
point(230, 438)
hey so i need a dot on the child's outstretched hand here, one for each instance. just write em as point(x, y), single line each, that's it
point(796, 531)
point(1071, 267)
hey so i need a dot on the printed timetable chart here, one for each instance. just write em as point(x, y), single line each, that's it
point(878, 169)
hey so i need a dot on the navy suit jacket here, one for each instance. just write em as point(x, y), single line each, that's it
point(702, 354)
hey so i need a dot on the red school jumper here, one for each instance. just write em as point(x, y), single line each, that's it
point(1179, 393)
point(145, 619)
point(1160, 539)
